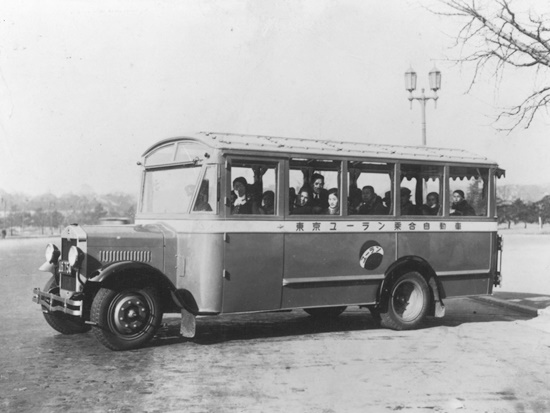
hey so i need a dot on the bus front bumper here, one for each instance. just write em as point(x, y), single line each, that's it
point(54, 303)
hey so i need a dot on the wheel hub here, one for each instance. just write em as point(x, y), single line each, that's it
point(408, 301)
point(131, 314)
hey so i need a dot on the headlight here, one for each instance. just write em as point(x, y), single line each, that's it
point(52, 254)
point(75, 256)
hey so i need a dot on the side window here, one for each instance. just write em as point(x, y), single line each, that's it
point(253, 188)
point(207, 197)
point(469, 186)
point(314, 187)
point(370, 186)
point(421, 189)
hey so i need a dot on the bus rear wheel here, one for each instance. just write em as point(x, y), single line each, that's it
point(408, 302)
point(126, 319)
point(325, 312)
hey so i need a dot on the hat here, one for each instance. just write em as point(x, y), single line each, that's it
point(240, 179)
point(459, 192)
point(405, 192)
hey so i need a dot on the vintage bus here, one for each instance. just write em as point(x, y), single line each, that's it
point(231, 223)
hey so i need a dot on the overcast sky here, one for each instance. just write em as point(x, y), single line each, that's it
point(86, 87)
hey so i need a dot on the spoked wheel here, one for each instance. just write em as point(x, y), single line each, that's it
point(325, 312)
point(408, 302)
point(126, 319)
point(64, 323)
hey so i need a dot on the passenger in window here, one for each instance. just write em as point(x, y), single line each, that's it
point(333, 203)
point(319, 202)
point(354, 199)
point(387, 201)
point(292, 198)
point(268, 203)
point(461, 207)
point(372, 204)
point(432, 206)
point(407, 207)
point(303, 202)
point(202, 199)
point(242, 200)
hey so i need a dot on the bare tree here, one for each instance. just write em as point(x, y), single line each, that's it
point(502, 34)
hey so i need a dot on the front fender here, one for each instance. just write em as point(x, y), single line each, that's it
point(122, 273)
point(110, 270)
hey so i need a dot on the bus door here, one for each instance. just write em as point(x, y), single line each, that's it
point(253, 251)
point(253, 272)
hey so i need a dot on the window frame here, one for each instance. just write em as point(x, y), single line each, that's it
point(490, 202)
point(442, 180)
point(214, 205)
point(178, 166)
point(342, 182)
point(278, 164)
point(391, 173)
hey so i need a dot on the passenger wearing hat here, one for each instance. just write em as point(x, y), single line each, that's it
point(460, 206)
point(372, 203)
point(354, 199)
point(407, 207)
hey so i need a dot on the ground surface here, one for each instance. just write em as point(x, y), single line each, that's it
point(479, 358)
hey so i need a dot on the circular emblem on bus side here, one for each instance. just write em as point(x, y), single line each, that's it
point(370, 255)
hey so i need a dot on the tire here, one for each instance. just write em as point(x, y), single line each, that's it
point(61, 322)
point(325, 312)
point(408, 302)
point(126, 319)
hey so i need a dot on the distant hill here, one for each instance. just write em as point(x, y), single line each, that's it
point(527, 193)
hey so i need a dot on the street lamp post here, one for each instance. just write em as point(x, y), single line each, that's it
point(5, 219)
point(435, 84)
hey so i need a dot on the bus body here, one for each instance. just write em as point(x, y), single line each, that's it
point(193, 250)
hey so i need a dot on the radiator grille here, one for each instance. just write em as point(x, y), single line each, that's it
point(67, 282)
point(66, 244)
point(114, 255)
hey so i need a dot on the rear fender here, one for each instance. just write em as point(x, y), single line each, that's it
point(125, 273)
point(420, 265)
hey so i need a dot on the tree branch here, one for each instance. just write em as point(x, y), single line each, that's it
point(507, 37)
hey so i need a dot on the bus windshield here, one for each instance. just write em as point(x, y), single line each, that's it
point(169, 190)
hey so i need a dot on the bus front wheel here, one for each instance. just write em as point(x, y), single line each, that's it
point(408, 302)
point(126, 319)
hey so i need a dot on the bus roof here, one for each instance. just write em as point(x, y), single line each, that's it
point(297, 146)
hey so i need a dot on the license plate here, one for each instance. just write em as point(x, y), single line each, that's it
point(64, 267)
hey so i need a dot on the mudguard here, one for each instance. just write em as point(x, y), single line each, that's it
point(413, 263)
point(111, 275)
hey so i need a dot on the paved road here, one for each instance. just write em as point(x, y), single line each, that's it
point(479, 358)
